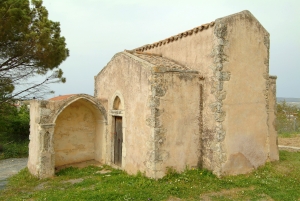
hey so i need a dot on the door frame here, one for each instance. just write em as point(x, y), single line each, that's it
point(114, 112)
point(116, 144)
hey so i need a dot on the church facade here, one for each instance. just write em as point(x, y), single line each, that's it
point(199, 99)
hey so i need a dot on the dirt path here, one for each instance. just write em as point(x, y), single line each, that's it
point(292, 141)
point(9, 167)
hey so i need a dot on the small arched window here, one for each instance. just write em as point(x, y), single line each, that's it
point(117, 104)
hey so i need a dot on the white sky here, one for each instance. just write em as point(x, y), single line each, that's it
point(95, 30)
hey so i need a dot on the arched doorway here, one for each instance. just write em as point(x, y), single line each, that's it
point(118, 133)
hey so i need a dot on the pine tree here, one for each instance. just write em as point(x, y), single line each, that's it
point(30, 46)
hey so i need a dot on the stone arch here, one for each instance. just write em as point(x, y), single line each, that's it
point(74, 98)
point(79, 133)
point(65, 130)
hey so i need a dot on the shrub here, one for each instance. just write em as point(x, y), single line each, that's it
point(15, 150)
point(14, 123)
point(14, 131)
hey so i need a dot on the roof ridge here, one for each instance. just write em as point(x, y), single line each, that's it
point(146, 53)
point(158, 60)
point(175, 37)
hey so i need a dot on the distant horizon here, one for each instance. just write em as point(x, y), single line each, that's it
point(289, 100)
point(287, 97)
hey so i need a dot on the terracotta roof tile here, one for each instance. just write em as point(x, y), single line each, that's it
point(63, 97)
point(176, 37)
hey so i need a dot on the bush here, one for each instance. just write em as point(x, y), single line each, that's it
point(14, 123)
point(15, 150)
point(14, 131)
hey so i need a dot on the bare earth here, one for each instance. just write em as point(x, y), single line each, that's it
point(293, 141)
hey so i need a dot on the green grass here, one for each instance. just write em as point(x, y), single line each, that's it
point(276, 180)
point(288, 135)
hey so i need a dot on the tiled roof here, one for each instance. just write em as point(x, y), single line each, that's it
point(159, 61)
point(176, 37)
point(63, 97)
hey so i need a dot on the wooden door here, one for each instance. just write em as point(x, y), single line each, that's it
point(118, 141)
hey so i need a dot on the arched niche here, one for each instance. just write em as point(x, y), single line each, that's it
point(79, 133)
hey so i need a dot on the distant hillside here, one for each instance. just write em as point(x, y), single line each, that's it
point(280, 99)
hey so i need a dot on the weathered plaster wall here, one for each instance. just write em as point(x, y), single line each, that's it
point(41, 160)
point(74, 135)
point(192, 51)
point(128, 77)
point(273, 142)
point(232, 54)
point(34, 144)
point(243, 46)
point(177, 130)
point(196, 51)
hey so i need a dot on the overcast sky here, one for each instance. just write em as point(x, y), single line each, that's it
point(95, 30)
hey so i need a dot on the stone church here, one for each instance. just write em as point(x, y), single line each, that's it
point(200, 99)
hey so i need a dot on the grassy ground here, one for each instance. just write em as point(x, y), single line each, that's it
point(288, 135)
point(274, 181)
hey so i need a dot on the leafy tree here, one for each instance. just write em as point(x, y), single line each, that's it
point(30, 46)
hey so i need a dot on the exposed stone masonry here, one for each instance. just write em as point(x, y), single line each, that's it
point(266, 91)
point(220, 76)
